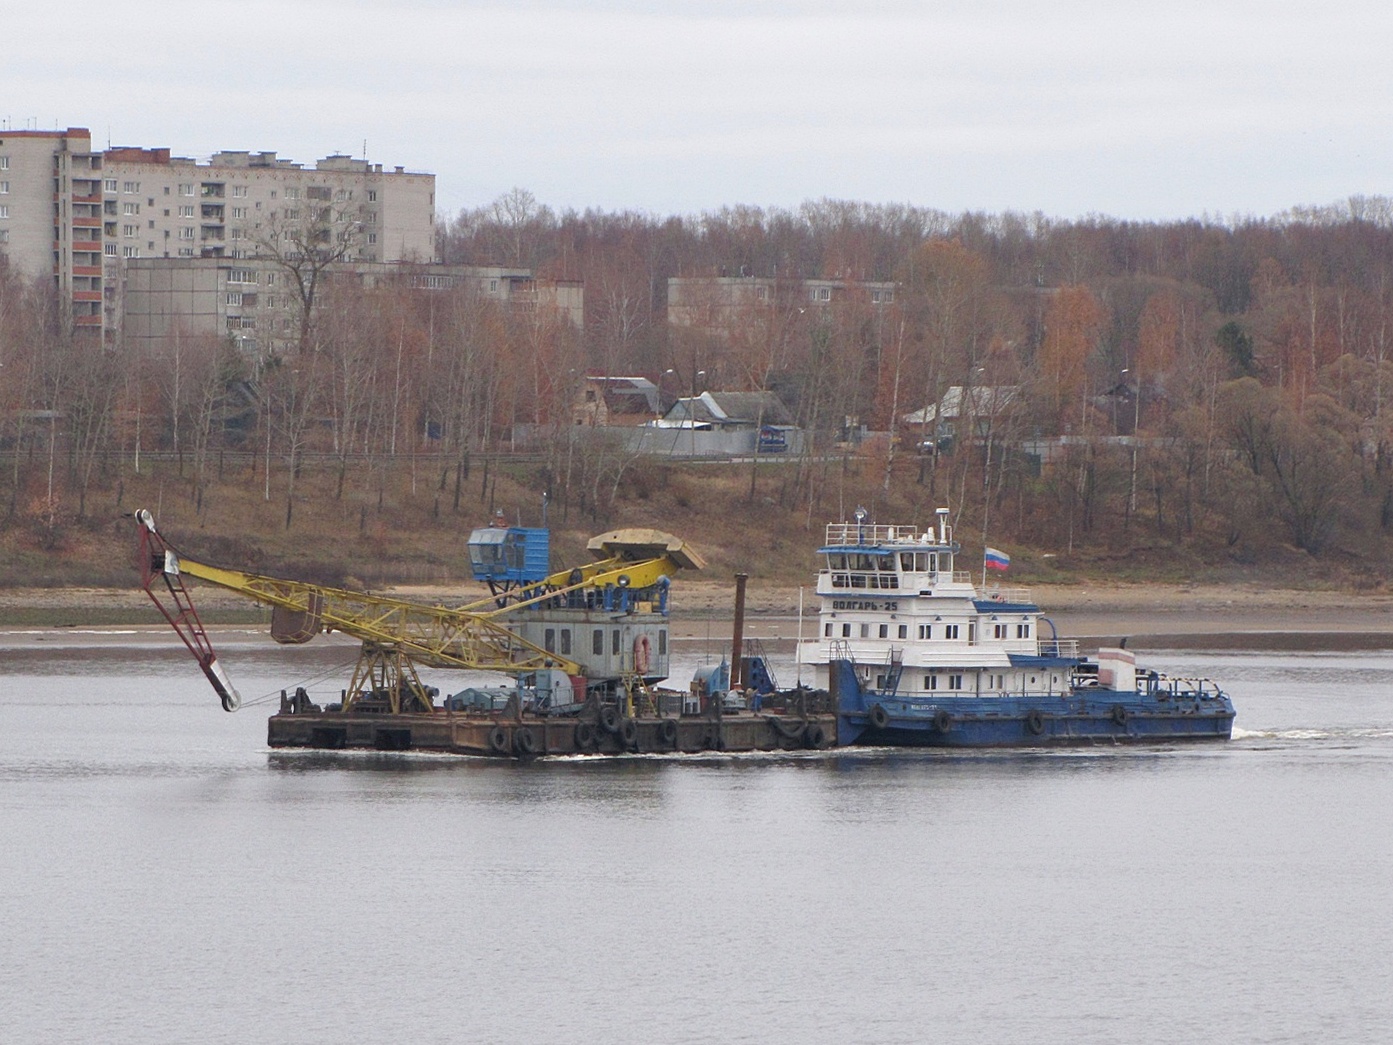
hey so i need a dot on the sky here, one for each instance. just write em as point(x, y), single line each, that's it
point(1142, 110)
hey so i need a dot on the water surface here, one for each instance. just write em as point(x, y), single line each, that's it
point(169, 878)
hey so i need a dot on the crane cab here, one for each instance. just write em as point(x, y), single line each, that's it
point(509, 556)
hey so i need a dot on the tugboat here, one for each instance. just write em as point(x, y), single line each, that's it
point(914, 654)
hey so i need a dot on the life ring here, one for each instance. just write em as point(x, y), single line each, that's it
point(609, 719)
point(878, 716)
point(643, 655)
point(943, 721)
point(498, 740)
point(667, 732)
point(524, 741)
point(628, 732)
point(1120, 715)
point(585, 736)
point(1035, 721)
point(815, 737)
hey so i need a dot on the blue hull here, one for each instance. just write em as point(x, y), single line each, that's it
point(1083, 716)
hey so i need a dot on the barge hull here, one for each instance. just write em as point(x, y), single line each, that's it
point(530, 736)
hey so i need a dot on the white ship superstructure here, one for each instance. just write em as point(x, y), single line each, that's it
point(894, 605)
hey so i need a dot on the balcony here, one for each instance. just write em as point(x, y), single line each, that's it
point(87, 270)
point(87, 295)
point(87, 223)
point(87, 321)
point(93, 198)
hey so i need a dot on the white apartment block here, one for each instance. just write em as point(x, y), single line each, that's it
point(84, 216)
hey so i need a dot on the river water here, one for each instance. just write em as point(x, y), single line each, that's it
point(168, 878)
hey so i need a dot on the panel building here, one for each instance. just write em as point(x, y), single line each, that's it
point(85, 216)
point(251, 300)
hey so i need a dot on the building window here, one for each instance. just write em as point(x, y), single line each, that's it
point(186, 232)
point(931, 682)
point(884, 631)
point(249, 323)
point(597, 642)
point(372, 238)
point(1022, 631)
point(926, 631)
point(130, 208)
point(233, 298)
point(4, 235)
point(186, 252)
point(4, 210)
point(372, 195)
point(4, 163)
point(904, 631)
point(846, 631)
point(270, 279)
point(614, 644)
point(372, 217)
point(130, 252)
point(950, 631)
point(955, 682)
point(4, 186)
point(241, 276)
point(109, 250)
point(239, 212)
point(239, 191)
point(565, 632)
point(292, 194)
point(109, 184)
point(186, 188)
point(128, 230)
point(292, 215)
point(130, 186)
point(998, 631)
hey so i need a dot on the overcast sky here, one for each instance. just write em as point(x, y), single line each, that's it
point(1139, 110)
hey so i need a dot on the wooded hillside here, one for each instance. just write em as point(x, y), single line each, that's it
point(1221, 384)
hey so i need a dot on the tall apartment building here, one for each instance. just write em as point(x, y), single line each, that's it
point(51, 215)
point(83, 215)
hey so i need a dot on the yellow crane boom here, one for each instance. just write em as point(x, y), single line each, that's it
point(397, 633)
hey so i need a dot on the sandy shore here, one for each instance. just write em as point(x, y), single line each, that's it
point(1150, 615)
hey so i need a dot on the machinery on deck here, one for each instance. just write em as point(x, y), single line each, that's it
point(585, 633)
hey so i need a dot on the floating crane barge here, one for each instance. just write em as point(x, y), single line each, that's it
point(910, 654)
point(583, 647)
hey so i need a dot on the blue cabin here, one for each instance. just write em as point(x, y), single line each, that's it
point(510, 555)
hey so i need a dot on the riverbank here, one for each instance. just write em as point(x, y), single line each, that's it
point(1149, 616)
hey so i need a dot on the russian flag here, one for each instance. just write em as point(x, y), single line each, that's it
point(995, 560)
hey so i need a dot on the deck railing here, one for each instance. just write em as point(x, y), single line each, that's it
point(870, 533)
point(1016, 596)
point(1059, 647)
